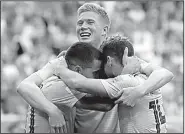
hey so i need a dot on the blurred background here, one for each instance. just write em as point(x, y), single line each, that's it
point(32, 33)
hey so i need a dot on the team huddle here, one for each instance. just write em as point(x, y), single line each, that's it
point(96, 86)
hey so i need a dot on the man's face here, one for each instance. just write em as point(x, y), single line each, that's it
point(112, 67)
point(108, 70)
point(89, 28)
point(93, 71)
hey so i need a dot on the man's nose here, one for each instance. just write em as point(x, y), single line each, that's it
point(84, 26)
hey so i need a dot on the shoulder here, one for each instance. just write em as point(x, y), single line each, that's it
point(54, 82)
point(122, 78)
point(141, 77)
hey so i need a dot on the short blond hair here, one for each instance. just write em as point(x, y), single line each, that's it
point(94, 8)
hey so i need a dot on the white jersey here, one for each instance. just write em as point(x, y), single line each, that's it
point(97, 122)
point(57, 92)
point(147, 116)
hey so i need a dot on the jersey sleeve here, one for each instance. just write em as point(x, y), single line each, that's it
point(114, 85)
point(45, 72)
point(60, 94)
point(49, 69)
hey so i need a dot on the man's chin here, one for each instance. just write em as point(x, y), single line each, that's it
point(86, 40)
point(110, 75)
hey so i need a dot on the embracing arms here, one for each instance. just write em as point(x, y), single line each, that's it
point(30, 91)
point(157, 78)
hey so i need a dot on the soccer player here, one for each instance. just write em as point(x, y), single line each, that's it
point(86, 63)
point(147, 116)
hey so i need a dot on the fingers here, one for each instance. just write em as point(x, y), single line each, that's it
point(61, 130)
point(63, 53)
point(119, 94)
point(52, 130)
point(118, 101)
point(62, 61)
point(138, 69)
point(129, 102)
point(125, 56)
point(124, 100)
point(58, 129)
point(141, 60)
point(65, 129)
point(132, 105)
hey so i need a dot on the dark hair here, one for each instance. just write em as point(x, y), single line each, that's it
point(114, 46)
point(83, 54)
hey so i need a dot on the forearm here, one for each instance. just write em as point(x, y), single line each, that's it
point(156, 80)
point(70, 78)
point(77, 81)
point(96, 103)
point(32, 94)
point(98, 107)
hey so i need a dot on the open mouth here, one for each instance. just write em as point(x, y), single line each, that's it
point(85, 34)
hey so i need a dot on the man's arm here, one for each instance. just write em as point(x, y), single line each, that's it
point(61, 96)
point(158, 77)
point(92, 102)
point(96, 87)
point(30, 91)
point(80, 83)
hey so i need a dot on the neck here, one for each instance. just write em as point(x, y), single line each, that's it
point(96, 44)
point(99, 43)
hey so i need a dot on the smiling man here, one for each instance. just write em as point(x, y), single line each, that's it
point(92, 24)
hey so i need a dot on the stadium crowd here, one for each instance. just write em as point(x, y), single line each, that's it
point(32, 33)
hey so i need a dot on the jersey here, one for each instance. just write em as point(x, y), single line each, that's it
point(147, 116)
point(97, 122)
point(92, 121)
point(57, 92)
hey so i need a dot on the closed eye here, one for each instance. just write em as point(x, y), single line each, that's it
point(90, 22)
point(79, 23)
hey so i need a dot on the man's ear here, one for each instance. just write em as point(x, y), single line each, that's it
point(105, 31)
point(125, 57)
point(109, 61)
point(78, 69)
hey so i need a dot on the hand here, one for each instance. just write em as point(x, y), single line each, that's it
point(60, 65)
point(53, 64)
point(130, 96)
point(63, 53)
point(57, 121)
point(132, 64)
point(57, 64)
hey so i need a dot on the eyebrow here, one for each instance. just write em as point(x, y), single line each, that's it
point(86, 19)
point(90, 20)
